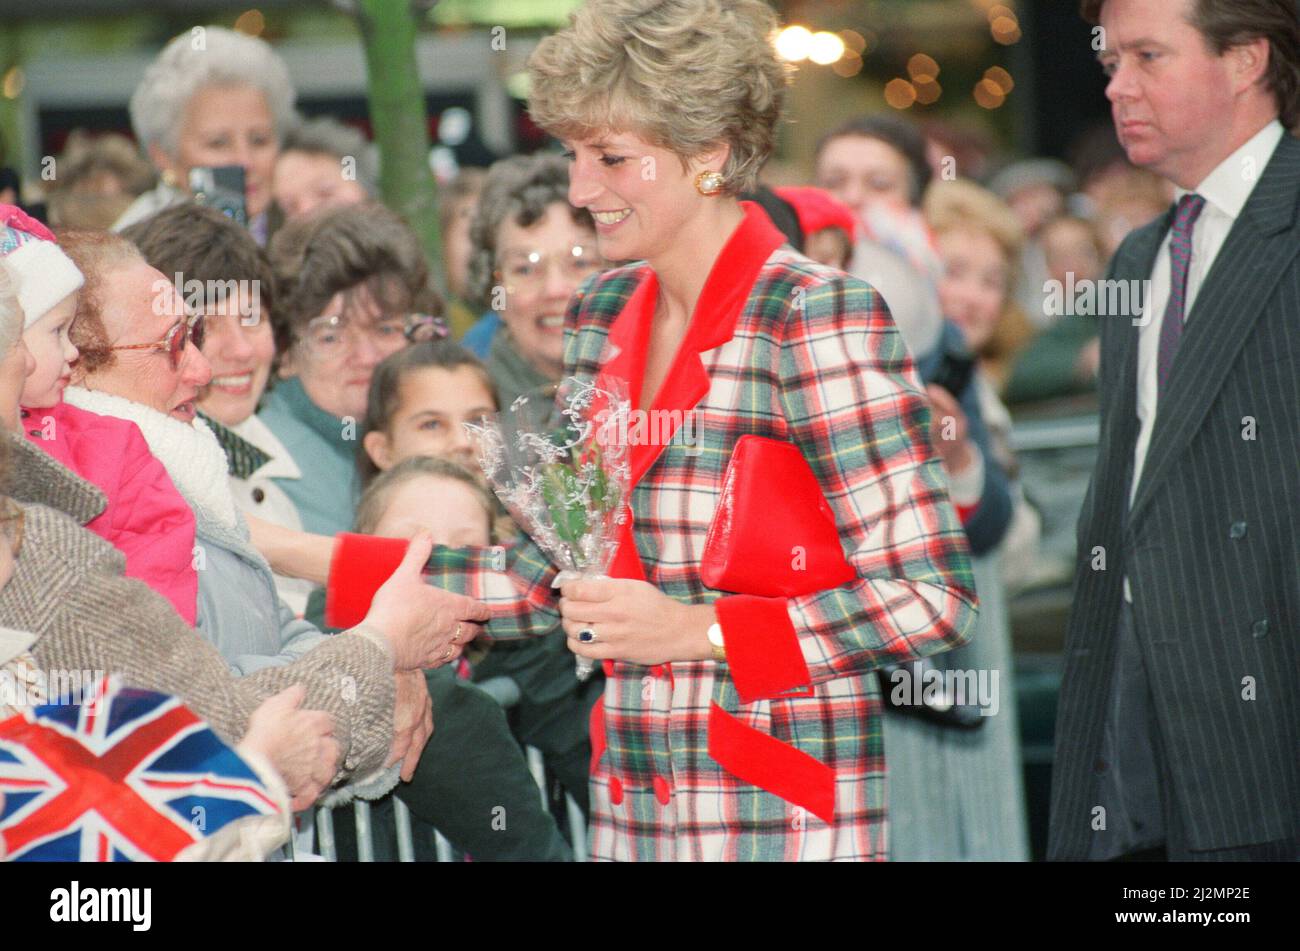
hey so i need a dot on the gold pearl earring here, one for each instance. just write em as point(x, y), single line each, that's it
point(169, 178)
point(709, 184)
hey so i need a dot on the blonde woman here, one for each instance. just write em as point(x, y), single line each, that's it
point(733, 726)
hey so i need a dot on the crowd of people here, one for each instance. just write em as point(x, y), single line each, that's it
point(215, 429)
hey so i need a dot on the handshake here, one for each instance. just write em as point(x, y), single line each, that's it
point(421, 626)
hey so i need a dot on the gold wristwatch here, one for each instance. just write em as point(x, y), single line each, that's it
point(715, 642)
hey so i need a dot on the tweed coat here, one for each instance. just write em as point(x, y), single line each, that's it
point(68, 590)
point(775, 754)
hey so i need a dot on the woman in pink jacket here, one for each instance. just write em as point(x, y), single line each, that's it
point(146, 517)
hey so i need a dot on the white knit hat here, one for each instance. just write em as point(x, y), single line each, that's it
point(43, 273)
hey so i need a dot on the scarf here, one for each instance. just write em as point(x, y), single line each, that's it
point(513, 375)
point(243, 458)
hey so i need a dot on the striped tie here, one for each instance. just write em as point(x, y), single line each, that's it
point(1180, 255)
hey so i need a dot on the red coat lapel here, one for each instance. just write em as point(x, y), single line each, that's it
point(713, 323)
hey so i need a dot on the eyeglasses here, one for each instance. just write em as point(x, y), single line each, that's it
point(527, 270)
point(181, 333)
point(329, 337)
point(421, 327)
point(11, 525)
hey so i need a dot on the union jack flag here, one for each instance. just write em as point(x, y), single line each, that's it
point(118, 775)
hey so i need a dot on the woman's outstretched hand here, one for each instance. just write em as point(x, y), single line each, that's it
point(425, 626)
point(633, 621)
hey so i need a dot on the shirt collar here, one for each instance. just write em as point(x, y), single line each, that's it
point(1226, 188)
point(280, 464)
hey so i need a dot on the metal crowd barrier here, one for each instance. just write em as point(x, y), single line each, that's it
point(322, 825)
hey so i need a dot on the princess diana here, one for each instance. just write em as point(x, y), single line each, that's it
point(735, 725)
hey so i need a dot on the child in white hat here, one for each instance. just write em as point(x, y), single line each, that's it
point(146, 518)
point(47, 283)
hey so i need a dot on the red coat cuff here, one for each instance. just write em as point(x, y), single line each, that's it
point(359, 567)
point(763, 651)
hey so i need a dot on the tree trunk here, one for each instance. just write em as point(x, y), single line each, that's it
point(397, 114)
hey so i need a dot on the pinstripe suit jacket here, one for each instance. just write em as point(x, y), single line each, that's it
point(1211, 544)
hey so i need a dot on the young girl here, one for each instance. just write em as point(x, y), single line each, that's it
point(427, 494)
point(419, 400)
point(472, 757)
point(145, 518)
point(424, 493)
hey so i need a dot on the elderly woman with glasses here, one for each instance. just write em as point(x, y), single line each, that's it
point(531, 250)
point(353, 287)
point(212, 97)
point(230, 284)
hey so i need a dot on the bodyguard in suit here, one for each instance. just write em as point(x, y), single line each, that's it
point(1179, 727)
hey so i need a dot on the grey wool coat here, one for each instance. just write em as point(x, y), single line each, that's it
point(68, 589)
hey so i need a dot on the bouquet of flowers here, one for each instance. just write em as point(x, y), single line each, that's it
point(558, 460)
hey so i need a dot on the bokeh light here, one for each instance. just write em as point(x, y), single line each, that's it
point(922, 64)
point(12, 84)
point(825, 48)
point(251, 22)
point(850, 64)
point(1006, 30)
point(900, 94)
point(989, 95)
point(854, 41)
point(928, 90)
point(1000, 77)
point(794, 43)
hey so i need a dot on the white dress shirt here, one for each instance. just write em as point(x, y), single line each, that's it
point(1226, 191)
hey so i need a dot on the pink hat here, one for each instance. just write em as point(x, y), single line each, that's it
point(43, 273)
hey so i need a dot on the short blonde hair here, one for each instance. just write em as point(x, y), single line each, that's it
point(374, 501)
point(963, 204)
point(685, 75)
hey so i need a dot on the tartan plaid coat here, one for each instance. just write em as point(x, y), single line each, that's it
point(777, 753)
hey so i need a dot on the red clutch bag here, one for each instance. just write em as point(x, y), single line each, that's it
point(774, 533)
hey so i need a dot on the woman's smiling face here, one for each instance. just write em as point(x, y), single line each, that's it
point(240, 347)
point(639, 194)
point(540, 267)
